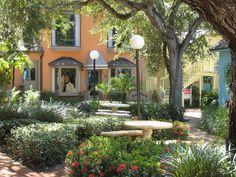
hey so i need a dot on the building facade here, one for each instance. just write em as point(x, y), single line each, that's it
point(62, 64)
point(224, 60)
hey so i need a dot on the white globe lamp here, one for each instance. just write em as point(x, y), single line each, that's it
point(136, 42)
point(94, 54)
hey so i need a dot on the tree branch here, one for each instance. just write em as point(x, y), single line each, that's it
point(78, 4)
point(133, 5)
point(114, 12)
point(174, 10)
point(192, 30)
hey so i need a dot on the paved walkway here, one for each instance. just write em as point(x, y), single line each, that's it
point(197, 135)
point(10, 168)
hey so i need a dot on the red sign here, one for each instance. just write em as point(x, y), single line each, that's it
point(187, 91)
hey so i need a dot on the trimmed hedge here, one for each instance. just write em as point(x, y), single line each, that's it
point(154, 110)
point(94, 125)
point(215, 121)
point(7, 125)
point(40, 146)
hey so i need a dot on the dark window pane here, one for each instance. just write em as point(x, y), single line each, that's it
point(68, 79)
point(32, 74)
point(126, 71)
point(113, 72)
point(66, 38)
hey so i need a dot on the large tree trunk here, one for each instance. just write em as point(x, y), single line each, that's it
point(220, 13)
point(175, 77)
point(231, 139)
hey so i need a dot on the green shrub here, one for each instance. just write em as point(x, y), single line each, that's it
point(94, 125)
point(154, 110)
point(11, 111)
point(7, 125)
point(50, 96)
point(121, 157)
point(42, 145)
point(215, 121)
point(209, 99)
point(198, 162)
point(43, 111)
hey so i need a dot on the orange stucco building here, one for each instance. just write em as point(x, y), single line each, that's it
point(63, 65)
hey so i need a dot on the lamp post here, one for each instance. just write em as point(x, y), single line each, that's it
point(137, 43)
point(94, 55)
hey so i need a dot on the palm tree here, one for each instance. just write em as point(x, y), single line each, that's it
point(123, 84)
point(105, 89)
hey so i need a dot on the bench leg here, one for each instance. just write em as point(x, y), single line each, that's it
point(147, 134)
point(114, 109)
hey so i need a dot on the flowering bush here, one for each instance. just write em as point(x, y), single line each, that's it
point(106, 157)
point(179, 131)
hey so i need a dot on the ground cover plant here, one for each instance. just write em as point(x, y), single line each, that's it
point(208, 161)
point(215, 121)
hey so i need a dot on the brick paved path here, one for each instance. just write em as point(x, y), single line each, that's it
point(10, 168)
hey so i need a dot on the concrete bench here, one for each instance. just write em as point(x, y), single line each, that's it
point(112, 114)
point(110, 111)
point(123, 133)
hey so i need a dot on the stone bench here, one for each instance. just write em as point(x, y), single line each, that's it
point(110, 111)
point(123, 133)
point(112, 114)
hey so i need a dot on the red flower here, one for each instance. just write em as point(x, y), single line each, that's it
point(70, 153)
point(167, 149)
point(102, 174)
point(162, 166)
point(134, 168)
point(91, 175)
point(121, 168)
point(75, 164)
point(71, 172)
point(68, 165)
point(112, 167)
point(84, 170)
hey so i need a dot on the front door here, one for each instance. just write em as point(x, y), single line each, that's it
point(30, 77)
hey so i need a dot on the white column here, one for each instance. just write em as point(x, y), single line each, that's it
point(53, 80)
point(77, 80)
point(77, 30)
point(109, 75)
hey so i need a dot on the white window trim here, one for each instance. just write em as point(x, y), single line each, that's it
point(110, 39)
point(77, 79)
point(77, 34)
